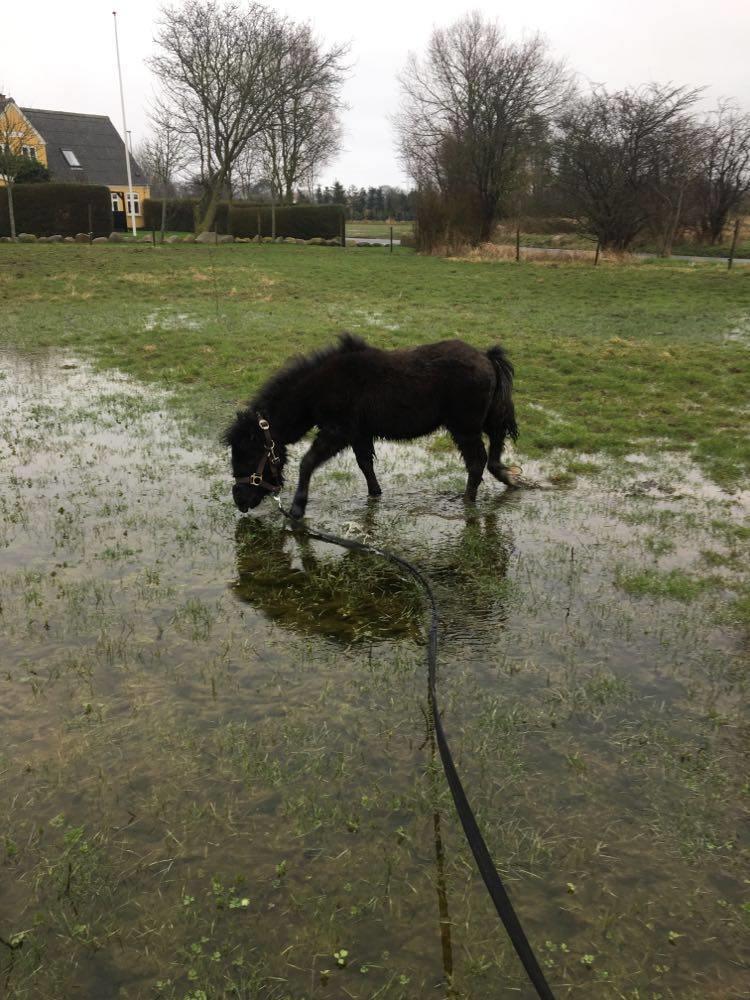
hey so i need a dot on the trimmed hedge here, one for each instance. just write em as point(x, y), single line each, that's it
point(301, 221)
point(57, 209)
point(180, 214)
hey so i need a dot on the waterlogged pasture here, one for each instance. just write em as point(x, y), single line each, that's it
point(216, 774)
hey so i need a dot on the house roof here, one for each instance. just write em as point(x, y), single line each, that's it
point(94, 141)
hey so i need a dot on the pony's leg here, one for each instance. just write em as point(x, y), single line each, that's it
point(495, 428)
point(364, 453)
point(474, 455)
point(325, 446)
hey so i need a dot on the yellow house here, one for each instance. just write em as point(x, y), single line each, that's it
point(78, 148)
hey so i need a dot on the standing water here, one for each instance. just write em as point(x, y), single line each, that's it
point(216, 773)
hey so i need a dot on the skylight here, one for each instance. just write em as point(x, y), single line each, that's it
point(71, 158)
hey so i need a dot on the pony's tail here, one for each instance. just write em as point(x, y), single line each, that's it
point(503, 400)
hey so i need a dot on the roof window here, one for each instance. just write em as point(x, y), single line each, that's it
point(70, 158)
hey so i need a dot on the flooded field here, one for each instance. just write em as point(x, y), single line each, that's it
point(216, 773)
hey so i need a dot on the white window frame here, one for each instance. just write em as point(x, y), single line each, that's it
point(136, 202)
point(116, 201)
point(70, 158)
point(29, 152)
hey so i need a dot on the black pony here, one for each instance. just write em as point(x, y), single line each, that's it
point(354, 393)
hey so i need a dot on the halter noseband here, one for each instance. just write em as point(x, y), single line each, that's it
point(269, 458)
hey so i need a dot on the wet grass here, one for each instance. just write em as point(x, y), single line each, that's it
point(614, 360)
point(216, 772)
point(675, 583)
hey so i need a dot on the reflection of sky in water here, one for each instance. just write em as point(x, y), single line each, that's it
point(153, 636)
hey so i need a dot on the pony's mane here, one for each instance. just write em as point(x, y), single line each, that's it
point(300, 365)
point(246, 421)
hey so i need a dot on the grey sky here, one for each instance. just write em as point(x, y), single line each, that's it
point(61, 56)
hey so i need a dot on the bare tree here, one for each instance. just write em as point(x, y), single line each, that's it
point(231, 74)
point(17, 139)
point(248, 180)
point(724, 169)
point(671, 169)
point(609, 146)
point(304, 133)
point(224, 75)
point(470, 110)
point(162, 157)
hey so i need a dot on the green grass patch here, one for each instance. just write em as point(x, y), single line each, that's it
point(674, 584)
point(738, 611)
point(378, 230)
point(606, 359)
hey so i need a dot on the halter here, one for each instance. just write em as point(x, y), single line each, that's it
point(269, 458)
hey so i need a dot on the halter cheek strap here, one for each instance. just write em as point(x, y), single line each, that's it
point(269, 458)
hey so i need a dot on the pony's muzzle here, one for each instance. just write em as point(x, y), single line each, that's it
point(245, 497)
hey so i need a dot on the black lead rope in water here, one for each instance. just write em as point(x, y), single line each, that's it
point(479, 849)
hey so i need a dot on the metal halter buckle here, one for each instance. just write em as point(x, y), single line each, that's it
point(263, 424)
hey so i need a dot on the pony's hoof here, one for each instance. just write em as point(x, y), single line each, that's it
point(511, 475)
point(297, 510)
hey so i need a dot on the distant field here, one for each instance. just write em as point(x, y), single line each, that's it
point(379, 230)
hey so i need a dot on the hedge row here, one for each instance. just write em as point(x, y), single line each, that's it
point(300, 221)
point(180, 214)
point(52, 209)
point(250, 219)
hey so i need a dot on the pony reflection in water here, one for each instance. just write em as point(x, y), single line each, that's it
point(361, 597)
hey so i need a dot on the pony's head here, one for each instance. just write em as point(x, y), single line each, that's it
point(257, 459)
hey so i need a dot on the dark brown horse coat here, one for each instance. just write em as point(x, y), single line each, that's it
point(354, 393)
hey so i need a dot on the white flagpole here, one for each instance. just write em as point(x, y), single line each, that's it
point(125, 129)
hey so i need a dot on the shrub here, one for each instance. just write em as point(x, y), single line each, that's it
point(58, 209)
point(180, 214)
point(32, 172)
point(301, 221)
point(446, 222)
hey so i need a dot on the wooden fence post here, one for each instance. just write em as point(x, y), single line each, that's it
point(735, 238)
point(596, 255)
point(518, 242)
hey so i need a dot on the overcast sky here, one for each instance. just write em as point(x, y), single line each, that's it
point(60, 56)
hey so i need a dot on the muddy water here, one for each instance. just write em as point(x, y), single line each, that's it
point(216, 777)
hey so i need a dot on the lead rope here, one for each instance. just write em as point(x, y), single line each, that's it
point(479, 849)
